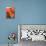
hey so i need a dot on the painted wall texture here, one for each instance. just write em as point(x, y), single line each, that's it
point(27, 12)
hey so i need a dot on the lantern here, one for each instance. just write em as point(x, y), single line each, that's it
point(10, 12)
point(11, 37)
